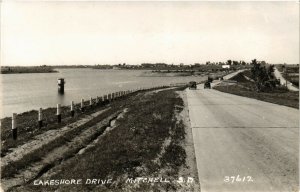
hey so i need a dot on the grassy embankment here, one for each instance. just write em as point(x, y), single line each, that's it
point(146, 142)
point(29, 69)
point(246, 88)
point(27, 123)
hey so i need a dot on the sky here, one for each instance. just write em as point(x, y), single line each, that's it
point(88, 33)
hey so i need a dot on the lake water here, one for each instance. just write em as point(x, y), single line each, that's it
point(24, 92)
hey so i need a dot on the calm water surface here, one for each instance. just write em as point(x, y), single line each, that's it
point(24, 92)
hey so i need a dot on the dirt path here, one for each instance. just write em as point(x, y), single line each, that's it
point(40, 140)
point(66, 149)
point(283, 81)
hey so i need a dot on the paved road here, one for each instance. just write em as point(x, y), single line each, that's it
point(235, 135)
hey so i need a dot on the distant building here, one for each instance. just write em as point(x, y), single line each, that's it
point(225, 66)
point(115, 67)
point(161, 65)
point(147, 65)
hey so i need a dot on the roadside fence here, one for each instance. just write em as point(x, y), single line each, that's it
point(85, 106)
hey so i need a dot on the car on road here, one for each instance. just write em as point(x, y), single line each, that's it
point(207, 85)
point(192, 85)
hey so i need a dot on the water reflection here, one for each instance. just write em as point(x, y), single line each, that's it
point(61, 97)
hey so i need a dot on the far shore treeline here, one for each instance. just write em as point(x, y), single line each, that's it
point(155, 67)
point(27, 69)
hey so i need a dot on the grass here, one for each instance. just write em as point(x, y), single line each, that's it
point(129, 150)
point(245, 88)
point(27, 122)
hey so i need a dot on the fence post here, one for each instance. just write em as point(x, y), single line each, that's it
point(40, 118)
point(14, 126)
point(104, 99)
point(109, 97)
point(91, 102)
point(72, 109)
point(97, 100)
point(58, 114)
point(82, 105)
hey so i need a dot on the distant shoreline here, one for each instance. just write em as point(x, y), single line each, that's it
point(35, 69)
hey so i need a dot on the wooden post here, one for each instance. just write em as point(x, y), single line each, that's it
point(91, 102)
point(72, 109)
point(109, 97)
point(14, 126)
point(97, 100)
point(82, 105)
point(40, 118)
point(58, 114)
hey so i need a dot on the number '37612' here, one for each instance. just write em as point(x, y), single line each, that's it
point(238, 178)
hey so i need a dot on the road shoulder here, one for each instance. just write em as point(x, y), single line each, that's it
point(191, 165)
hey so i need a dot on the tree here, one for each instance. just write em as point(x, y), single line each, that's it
point(229, 62)
point(263, 76)
point(235, 62)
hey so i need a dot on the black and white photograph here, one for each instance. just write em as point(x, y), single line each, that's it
point(149, 96)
